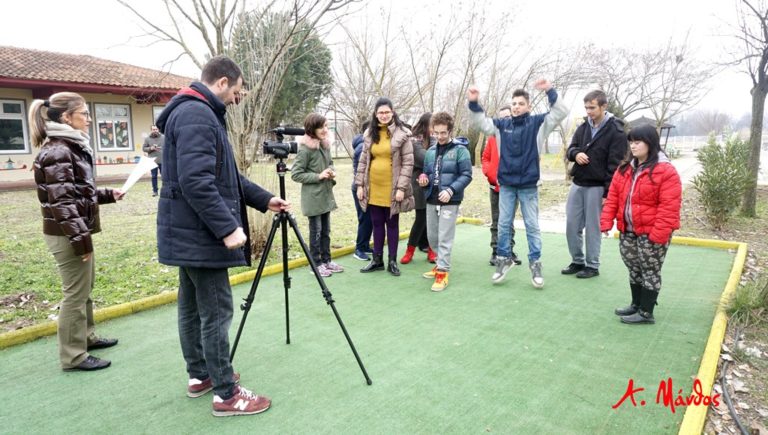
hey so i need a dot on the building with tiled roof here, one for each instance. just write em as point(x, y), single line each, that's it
point(123, 99)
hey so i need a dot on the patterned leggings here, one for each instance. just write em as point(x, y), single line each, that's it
point(643, 258)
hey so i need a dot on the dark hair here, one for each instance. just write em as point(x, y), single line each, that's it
point(422, 125)
point(522, 93)
point(648, 134)
point(443, 118)
point(421, 130)
point(374, 124)
point(505, 107)
point(598, 96)
point(312, 122)
point(364, 126)
point(218, 67)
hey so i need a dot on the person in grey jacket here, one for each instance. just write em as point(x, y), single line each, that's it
point(522, 136)
point(153, 146)
point(313, 168)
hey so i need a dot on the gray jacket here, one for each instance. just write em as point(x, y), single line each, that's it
point(153, 146)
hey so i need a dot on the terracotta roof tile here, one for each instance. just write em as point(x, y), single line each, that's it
point(24, 63)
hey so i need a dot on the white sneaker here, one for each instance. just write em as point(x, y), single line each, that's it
point(503, 265)
point(536, 279)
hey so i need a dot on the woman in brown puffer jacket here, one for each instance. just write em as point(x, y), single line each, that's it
point(383, 181)
point(70, 206)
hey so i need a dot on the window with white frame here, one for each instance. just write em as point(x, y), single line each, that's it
point(113, 130)
point(13, 127)
point(156, 111)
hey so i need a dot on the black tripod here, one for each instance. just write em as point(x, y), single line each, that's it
point(280, 219)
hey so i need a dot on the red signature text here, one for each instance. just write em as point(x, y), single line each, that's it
point(665, 396)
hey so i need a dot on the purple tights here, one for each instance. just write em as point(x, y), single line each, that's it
point(379, 218)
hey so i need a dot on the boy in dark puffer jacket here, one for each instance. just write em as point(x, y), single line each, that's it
point(447, 172)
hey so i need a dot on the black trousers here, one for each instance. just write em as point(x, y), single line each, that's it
point(418, 236)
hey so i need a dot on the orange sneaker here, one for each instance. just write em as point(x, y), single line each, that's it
point(441, 281)
point(430, 274)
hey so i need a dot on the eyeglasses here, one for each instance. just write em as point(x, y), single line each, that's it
point(388, 112)
point(85, 113)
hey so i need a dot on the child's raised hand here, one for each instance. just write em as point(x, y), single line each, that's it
point(473, 94)
point(542, 84)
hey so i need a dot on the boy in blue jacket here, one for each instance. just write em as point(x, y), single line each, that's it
point(447, 172)
point(518, 173)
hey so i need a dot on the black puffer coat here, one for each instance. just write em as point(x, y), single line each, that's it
point(204, 197)
point(67, 192)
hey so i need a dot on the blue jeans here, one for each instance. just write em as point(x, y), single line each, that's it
point(529, 205)
point(364, 226)
point(154, 177)
point(205, 315)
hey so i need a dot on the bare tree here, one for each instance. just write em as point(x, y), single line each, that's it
point(369, 68)
point(709, 121)
point(665, 80)
point(565, 68)
point(428, 61)
point(263, 42)
point(752, 36)
point(211, 21)
point(619, 74)
point(677, 80)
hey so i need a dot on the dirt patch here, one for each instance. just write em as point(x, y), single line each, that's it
point(16, 310)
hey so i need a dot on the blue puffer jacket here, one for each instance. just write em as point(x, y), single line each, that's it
point(203, 197)
point(455, 170)
point(521, 139)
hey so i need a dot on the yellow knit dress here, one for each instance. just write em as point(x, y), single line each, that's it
point(381, 170)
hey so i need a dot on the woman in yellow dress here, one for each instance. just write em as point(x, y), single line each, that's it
point(384, 181)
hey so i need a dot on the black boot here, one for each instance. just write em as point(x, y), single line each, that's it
point(392, 267)
point(637, 289)
point(644, 314)
point(376, 264)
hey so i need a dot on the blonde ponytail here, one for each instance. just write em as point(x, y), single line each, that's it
point(42, 111)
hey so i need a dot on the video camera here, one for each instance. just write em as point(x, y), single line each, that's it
point(281, 149)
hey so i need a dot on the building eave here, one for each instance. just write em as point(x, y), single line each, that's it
point(44, 88)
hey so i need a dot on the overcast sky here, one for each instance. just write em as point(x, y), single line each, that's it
point(105, 29)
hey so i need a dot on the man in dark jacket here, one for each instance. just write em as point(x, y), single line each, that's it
point(597, 147)
point(202, 227)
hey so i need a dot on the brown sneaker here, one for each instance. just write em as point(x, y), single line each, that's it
point(243, 402)
point(197, 388)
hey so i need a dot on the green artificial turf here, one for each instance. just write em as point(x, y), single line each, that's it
point(475, 358)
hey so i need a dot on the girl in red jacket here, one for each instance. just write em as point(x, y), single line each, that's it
point(644, 199)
